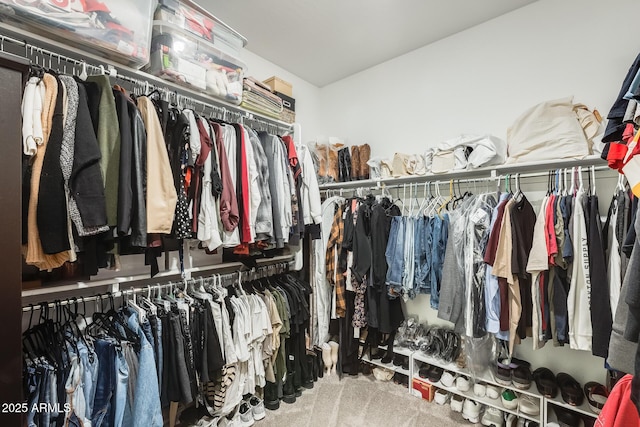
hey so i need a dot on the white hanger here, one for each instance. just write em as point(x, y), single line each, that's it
point(83, 71)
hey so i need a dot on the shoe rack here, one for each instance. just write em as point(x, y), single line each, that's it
point(487, 379)
point(547, 413)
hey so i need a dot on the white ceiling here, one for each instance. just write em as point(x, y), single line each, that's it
point(323, 41)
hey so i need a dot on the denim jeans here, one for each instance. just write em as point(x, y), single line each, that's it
point(34, 379)
point(105, 383)
point(146, 405)
point(75, 394)
point(409, 260)
point(89, 363)
point(439, 233)
point(120, 400)
point(422, 256)
point(156, 327)
point(395, 256)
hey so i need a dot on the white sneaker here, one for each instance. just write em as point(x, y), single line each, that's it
point(471, 411)
point(447, 379)
point(492, 417)
point(509, 399)
point(492, 392)
point(441, 396)
point(463, 383)
point(257, 408)
point(529, 405)
point(480, 390)
point(456, 403)
point(246, 415)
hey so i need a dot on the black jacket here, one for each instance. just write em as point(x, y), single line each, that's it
point(52, 204)
point(85, 184)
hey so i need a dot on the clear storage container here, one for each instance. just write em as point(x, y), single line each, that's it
point(118, 29)
point(192, 18)
point(180, 56)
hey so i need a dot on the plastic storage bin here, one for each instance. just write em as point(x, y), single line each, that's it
point(192, 18)
point(180, 56)
point(118, 29)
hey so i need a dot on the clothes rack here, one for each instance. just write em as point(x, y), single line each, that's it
point(140, 82)
point(240, 275)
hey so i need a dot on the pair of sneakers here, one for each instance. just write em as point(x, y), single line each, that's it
point(250, 411)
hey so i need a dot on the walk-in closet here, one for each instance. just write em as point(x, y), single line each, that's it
point(319, 213)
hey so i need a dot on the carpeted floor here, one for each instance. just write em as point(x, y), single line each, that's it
point(360, 401)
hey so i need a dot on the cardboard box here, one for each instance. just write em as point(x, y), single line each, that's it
point(423, 388)
point(278, 85)
point(287, 102)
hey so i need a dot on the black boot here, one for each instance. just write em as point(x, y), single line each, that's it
point(319, 362)
point(347, 165)
point(271, 400)
point(288, 389)
point(341, 168)
point(307, 371)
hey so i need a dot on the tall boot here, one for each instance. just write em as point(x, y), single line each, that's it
point(341, 171)
point(333, 166)
point(346, 159)
point(308, 376)
point(365, 155)
point(322, 159)
point(355, 163)
point(326, 358)
point(334, 355)
point(319, 361)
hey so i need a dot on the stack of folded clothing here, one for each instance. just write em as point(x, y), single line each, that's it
point(257, 97)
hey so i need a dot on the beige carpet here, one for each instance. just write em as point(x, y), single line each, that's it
point(360, 401)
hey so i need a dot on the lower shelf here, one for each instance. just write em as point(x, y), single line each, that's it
point(389, 366)
point(583, 409)
point(495, 403)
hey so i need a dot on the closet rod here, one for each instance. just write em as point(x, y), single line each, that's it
point(435, 180)
point(237, 114)
point(279, 269)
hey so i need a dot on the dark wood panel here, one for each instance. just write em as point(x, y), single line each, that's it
point(12, 74)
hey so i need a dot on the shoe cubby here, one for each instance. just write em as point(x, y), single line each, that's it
point(485, 378)
point(397, 351)
point(583, 411)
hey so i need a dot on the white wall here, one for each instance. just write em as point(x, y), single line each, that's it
point(307, 95)
point(480, 80)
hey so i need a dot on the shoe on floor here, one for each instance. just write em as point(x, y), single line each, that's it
point(447, 379)
point(257, 408)
point(441, 396)
point(463, 383)
point(492, 417)
point(246, 415)
point(471, 411)
point(492, 392)
point(456, 403)
point(529, 405)
point(509, 399)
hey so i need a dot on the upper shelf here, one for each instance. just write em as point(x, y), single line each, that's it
point(469, 174)
point(10, 33)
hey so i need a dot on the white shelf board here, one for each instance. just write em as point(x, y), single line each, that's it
point(487, 401)
point(485, 376)
point(583, 409)
point(389, 365)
